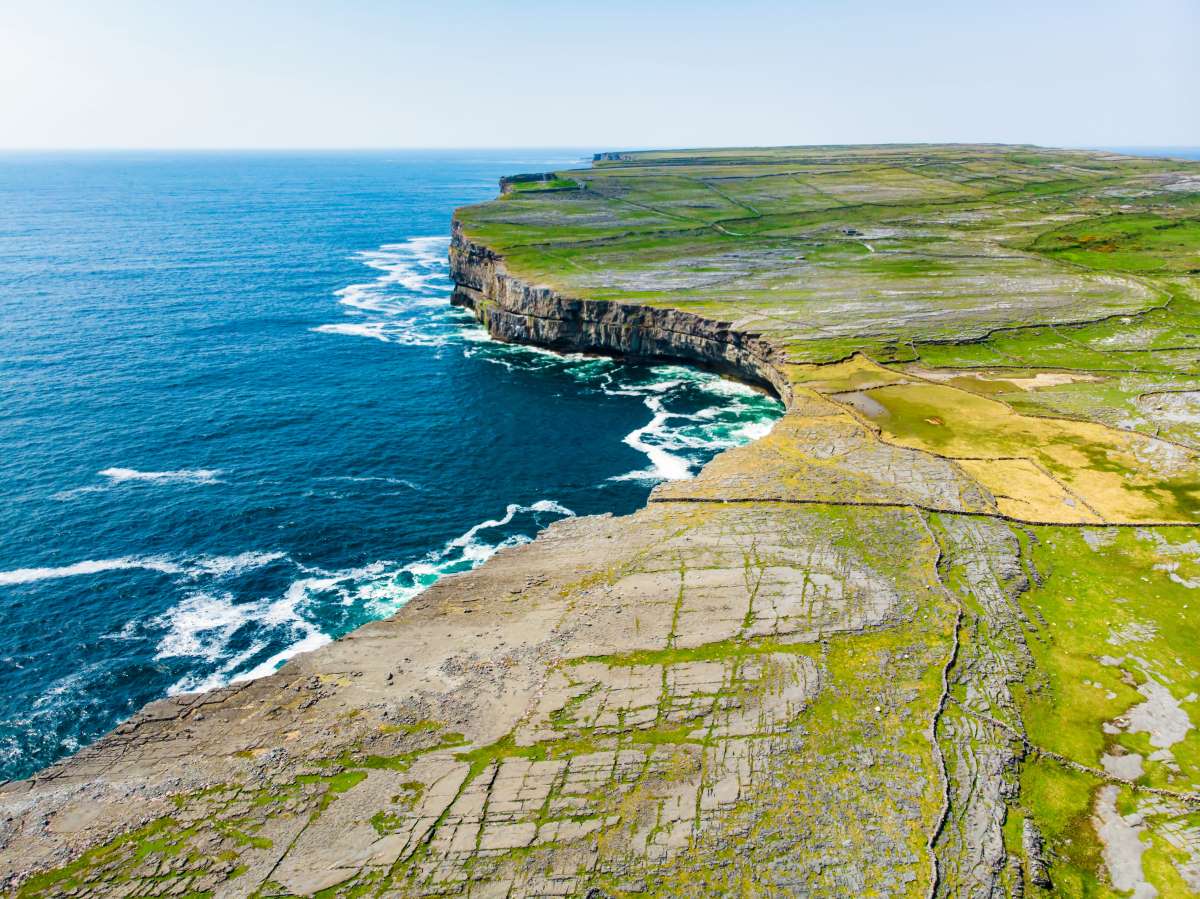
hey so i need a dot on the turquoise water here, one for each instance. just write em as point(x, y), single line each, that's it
point(238, 419)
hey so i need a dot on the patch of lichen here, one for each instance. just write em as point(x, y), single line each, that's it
point(724, 650)
point(388, 821)
point(866, 728)
point(162, 837)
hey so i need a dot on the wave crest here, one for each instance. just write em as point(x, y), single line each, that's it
point(408, 303)
point(231, 640)
point(88, 566)
point(182, 475)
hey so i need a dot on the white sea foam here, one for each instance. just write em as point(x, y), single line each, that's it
point(729, 387)
point(375, 479)
point(189, 567)
point(205, 623)
point(64, 686)
point(676, 442)
point(755, 430)
point(314, 640)
point(386, 589)
point(407, 303)
point(478, 343)
point(115, 477)
point(89, 566)
point(418, 264)
point(510, 512)
point(221, 676)
point(230, 566)
point(183, 475)
point(664, 465)
point(373, 330)
point(201, 625)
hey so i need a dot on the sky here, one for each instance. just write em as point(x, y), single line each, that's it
point(605, 74)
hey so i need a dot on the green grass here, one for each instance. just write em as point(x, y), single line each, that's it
point(1089, 599)
point(1059, 801)
point(797, 243)
point(1133, 243)
point(551, 184)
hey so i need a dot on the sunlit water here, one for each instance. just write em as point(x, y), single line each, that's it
point(238, 418)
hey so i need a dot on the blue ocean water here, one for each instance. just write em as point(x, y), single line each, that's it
point(1170, 152)
point(238, 419)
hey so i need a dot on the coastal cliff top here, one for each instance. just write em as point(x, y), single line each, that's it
point(997, 284)
point(929, 637)
point(827, 250)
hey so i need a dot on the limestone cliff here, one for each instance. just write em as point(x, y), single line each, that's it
point(516, 311)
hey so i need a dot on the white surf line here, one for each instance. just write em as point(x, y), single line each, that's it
point(194, 567)
point(205, 622)
point(414, 280)
point(89, 566)
point(185, 475)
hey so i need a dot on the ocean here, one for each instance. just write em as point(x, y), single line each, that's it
point(1169, 152)
point(238, 418)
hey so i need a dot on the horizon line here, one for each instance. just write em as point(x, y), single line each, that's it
point(571, 147)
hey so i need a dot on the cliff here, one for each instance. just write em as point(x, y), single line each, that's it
point(928, 637)
point(516, 311)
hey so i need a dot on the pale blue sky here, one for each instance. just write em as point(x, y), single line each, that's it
point(602, 74)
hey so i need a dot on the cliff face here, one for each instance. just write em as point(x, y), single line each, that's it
point(516, 311)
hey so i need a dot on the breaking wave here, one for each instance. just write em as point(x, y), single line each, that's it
point(678, 441)
point(226, 638)
point(200, 566)
point(183, 475)
point(89, 566)
point(409, 305)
